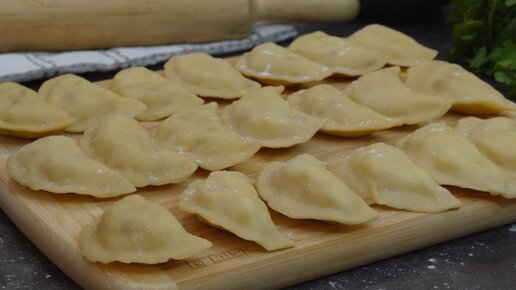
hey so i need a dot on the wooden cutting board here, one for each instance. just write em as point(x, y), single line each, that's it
point(53, 223)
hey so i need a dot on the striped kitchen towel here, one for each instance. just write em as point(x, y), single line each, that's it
point(26, 66)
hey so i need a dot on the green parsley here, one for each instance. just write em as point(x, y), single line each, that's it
point(484, 39)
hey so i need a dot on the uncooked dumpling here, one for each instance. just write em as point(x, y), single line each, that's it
point(207, 76)
point(452, 160)
point(24, 114)
point(88, 103)
point(384, 92)
point(161, 96)
point(229, 200)
point(57, 164)
point(383, 174)
point(343, 116)
point(399, 48)
point(264, 117)
point(495, 138)
point(135, 230)
point(509, 114)
point(198, 133)
point(273, 64)
point(468, 93)
point(123, 145)
point(338, 54)
point(302, 188)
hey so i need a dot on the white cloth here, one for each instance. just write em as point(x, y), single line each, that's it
point(26, 66)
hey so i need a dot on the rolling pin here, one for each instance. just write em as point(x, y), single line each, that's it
point(54, 25)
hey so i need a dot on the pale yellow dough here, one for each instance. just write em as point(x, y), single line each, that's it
point(276, 65)
point(57, 164)
point(207, 76)
point(338, 54)
point(383, 174)
point(400, 49)
point(135, 230)
point(468, 93)
point(302, 188)
point(343, 116)
point(161, 96)
point(495, 138)
point(229, 200)
point(453, 160)
point(509, 114)
point(24, 114)
point(198, 133)
point(384, 92)
point(88, 103)
point(264, 117)
point(125, 146)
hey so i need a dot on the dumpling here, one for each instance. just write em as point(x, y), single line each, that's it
point(198, 133)
point(135, 230)
point(509, 114)
point(161, 96)
point(452, 160)
point(338, 54)
point(302, 188)
point(207, 76)
point(229, 200)
point(276, 65)
point(123, 145)
point(384, 92)
point(57, 164)
point(495, 138)
point(24, 114)
point(383, 174)
point(264, 117)
point(468, 93)
point(343, 116)
point(399, 48)
point(87, 102)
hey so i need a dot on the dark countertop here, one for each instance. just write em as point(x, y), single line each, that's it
point(482, 261)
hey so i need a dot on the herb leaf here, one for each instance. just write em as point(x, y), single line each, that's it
point(484, 39)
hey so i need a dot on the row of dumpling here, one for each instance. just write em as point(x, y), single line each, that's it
point(119, 154)
point(73, 104)
point(150, 96)
point(110, 159)
point(192, 137)
point(315, 56)
point(301, 188)
point(474, 155)
point(121, 150)
point(304, 188)
point(87, 104)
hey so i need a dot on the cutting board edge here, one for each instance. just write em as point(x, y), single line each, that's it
point(452, 222)
point(459, 227)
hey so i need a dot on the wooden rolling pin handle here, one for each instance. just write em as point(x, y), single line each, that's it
point(306, 10)
point(73, 24)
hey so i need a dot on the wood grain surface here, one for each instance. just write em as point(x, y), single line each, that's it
point(53, 223)
point(62, 25)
